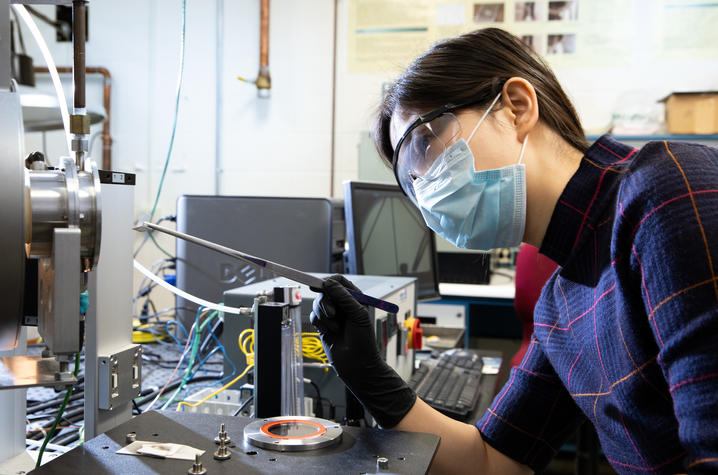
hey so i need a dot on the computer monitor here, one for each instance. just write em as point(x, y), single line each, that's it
point(386, 235)
point(304, 233)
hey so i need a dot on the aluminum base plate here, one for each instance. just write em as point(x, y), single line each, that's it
point(293, 433)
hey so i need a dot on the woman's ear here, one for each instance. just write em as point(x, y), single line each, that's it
point(521, 104)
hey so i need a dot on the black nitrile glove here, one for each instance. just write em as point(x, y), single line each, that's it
point(348, 338)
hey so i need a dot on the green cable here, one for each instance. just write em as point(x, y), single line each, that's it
point(149, 231)
point(193, 355)
point(180, 77)
point(51, 433)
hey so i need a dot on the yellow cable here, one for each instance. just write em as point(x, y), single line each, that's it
point(245, 338)
point(312, 347)
point(246, 344)
point(195, 404)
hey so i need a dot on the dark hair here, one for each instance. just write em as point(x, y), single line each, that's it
point(473, 68)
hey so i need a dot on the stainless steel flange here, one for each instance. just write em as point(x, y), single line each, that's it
point(293, 433)
point(66, 198)
point(13, 219)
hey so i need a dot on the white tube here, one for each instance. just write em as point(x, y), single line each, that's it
point(185, 295)
point(30, 23)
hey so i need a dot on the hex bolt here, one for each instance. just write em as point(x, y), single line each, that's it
point(131, 437)
point(382, 463)
point(197, 468)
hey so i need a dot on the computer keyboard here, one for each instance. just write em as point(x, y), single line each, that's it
point(451, 383)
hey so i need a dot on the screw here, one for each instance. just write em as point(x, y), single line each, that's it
point(222, 435)
point(197, 468)
point(222, 452)
point(382, 463)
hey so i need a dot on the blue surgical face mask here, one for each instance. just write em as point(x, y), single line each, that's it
point(473, 210)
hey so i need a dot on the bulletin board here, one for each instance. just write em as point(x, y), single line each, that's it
point(384, 35)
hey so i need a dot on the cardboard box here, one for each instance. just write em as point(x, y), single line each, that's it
point(692, 112)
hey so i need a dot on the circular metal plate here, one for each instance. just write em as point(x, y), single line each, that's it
point(293, 433)
point(13, 219)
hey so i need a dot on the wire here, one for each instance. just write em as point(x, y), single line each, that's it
point(243, 405)
point(312, 347)
point(195, 404)
point(180, 77)
point(56, 24)
point(145, 399)
point(201, 312)
point(246, 345)
point(186, 349)
point(23, 12)
point(319, 397)
point(185, 295)
point(59, 415)
point(19, 31)
point(149, 235)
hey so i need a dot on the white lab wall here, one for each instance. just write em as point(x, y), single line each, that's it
point(279, 145)
point(282, 145)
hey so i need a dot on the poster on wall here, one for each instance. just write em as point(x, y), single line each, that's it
point(384, 35)
point(675, 18)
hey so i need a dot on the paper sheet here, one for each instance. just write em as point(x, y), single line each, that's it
point(166, 450)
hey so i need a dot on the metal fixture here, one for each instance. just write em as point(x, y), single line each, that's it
point(293, 434)
point(106, 104)
point(382, 463)
point(222, 452)
point(222, 436)
point(197, 468)
point(131, 437)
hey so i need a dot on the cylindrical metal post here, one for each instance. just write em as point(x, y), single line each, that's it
point(79, 9)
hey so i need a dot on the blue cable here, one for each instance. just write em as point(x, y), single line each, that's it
point(171, 334)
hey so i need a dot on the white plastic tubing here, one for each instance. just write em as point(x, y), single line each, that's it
point(30, 23)
point(185, 295)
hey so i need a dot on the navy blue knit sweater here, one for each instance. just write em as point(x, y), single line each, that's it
point(626, 330)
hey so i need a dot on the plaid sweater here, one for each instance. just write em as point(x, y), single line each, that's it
point(626, 330)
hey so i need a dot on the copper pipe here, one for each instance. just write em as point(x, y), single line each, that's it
point(264, 33)
point(264, 81)
point(107, 81)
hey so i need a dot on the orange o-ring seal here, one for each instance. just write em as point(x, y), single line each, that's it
point(320, 429)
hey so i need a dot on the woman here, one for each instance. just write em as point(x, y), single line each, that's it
point(485, 142)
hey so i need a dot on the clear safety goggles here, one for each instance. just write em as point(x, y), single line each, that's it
point(425, 140)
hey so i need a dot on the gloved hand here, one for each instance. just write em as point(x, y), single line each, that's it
point(348, 338)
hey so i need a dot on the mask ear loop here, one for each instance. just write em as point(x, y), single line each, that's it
point(493, 103)
point(523, 148)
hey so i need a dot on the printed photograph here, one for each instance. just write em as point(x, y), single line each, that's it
point(561, 44)
point(488, 12)
point(529, 11)
point(536, 42)
point(563, 11)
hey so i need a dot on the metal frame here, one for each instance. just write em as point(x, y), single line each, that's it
point(108, 326)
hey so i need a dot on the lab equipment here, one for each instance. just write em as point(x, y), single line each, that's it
point(386, 235)
point(392, 345)
point(450, 384)
point(357, 451)
point(58, 213)
point(259, 225)
point(279, 269)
